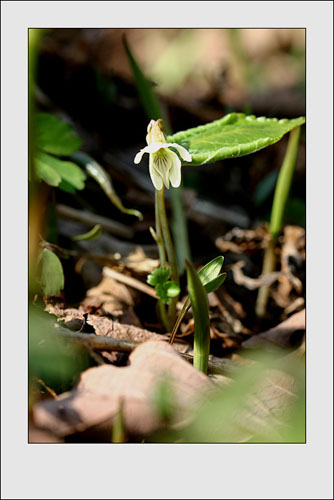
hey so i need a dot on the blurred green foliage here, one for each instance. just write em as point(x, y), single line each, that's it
point(234, 414)
point(57, 362)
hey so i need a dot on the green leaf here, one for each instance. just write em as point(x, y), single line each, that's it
point(233, 135)
point(67, 187)
point(98, 173)
point(172, 288)
point(93, 234)
point(212, 285)
point(56, 361)
point(66, 170)
point(147, 97)
point(45, 172)
point(52, 275)
point(211, 270)
point(200, 307)
point(54, 136)
point(167, 290)
point(159, 275)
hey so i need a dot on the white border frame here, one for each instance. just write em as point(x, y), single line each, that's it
point(167, 471)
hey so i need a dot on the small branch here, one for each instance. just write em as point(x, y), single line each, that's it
point(90, 219)
point(102, 343)
point(98, 342)
point(132, 282)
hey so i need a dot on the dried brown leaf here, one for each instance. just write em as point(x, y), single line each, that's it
point(282, 335)
point(101, 390)
point(106, 327)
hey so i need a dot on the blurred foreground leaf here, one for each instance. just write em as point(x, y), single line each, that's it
point(265, 403)
point(51, 359)
point(233, 135)
point(52, 275)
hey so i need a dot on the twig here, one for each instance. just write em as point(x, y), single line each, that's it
point(101, 343)
point(91, 219)
point(128, 280)
point(43, 384)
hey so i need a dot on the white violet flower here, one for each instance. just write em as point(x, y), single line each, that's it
point(164, 164)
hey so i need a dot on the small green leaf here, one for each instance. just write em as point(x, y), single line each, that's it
point(172, 289)
point(45, 172)
point(212, 285)
point(200, 307)
point(233, 135)
point(167, 290)
point(98, 173)
point(159, 275)
point(52, 275)
point(93, 234)
point(66, 170)
point(54, 136)
point(211, 270)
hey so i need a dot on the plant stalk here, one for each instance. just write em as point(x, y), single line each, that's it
point(162, 217)
point(280, 198)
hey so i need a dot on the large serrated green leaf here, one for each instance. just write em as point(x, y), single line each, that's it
point(66, 170)
point(52, 275)
point(233, 135)
point(54, 136)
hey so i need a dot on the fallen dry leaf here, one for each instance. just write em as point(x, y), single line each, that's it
point(101, 390)
point(106, 327)
point(282, 335)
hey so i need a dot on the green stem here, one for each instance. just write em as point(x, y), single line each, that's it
point(166, 235)
point(163, 314)
point(280, 197)
point(284, 183)
point(162, 258)
point(179, 228)
point(159, 238)
point(161, 209)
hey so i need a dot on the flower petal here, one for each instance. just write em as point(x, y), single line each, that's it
point(155, 175)
point(185, 155)
point(175, 171)
point(152, 148)
point(139, 156)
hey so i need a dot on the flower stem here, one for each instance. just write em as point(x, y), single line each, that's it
point(161, 210)
point(159, 238)
point(162, 257)
point(282, 189)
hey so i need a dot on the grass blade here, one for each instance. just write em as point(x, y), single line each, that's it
point(200, 307)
